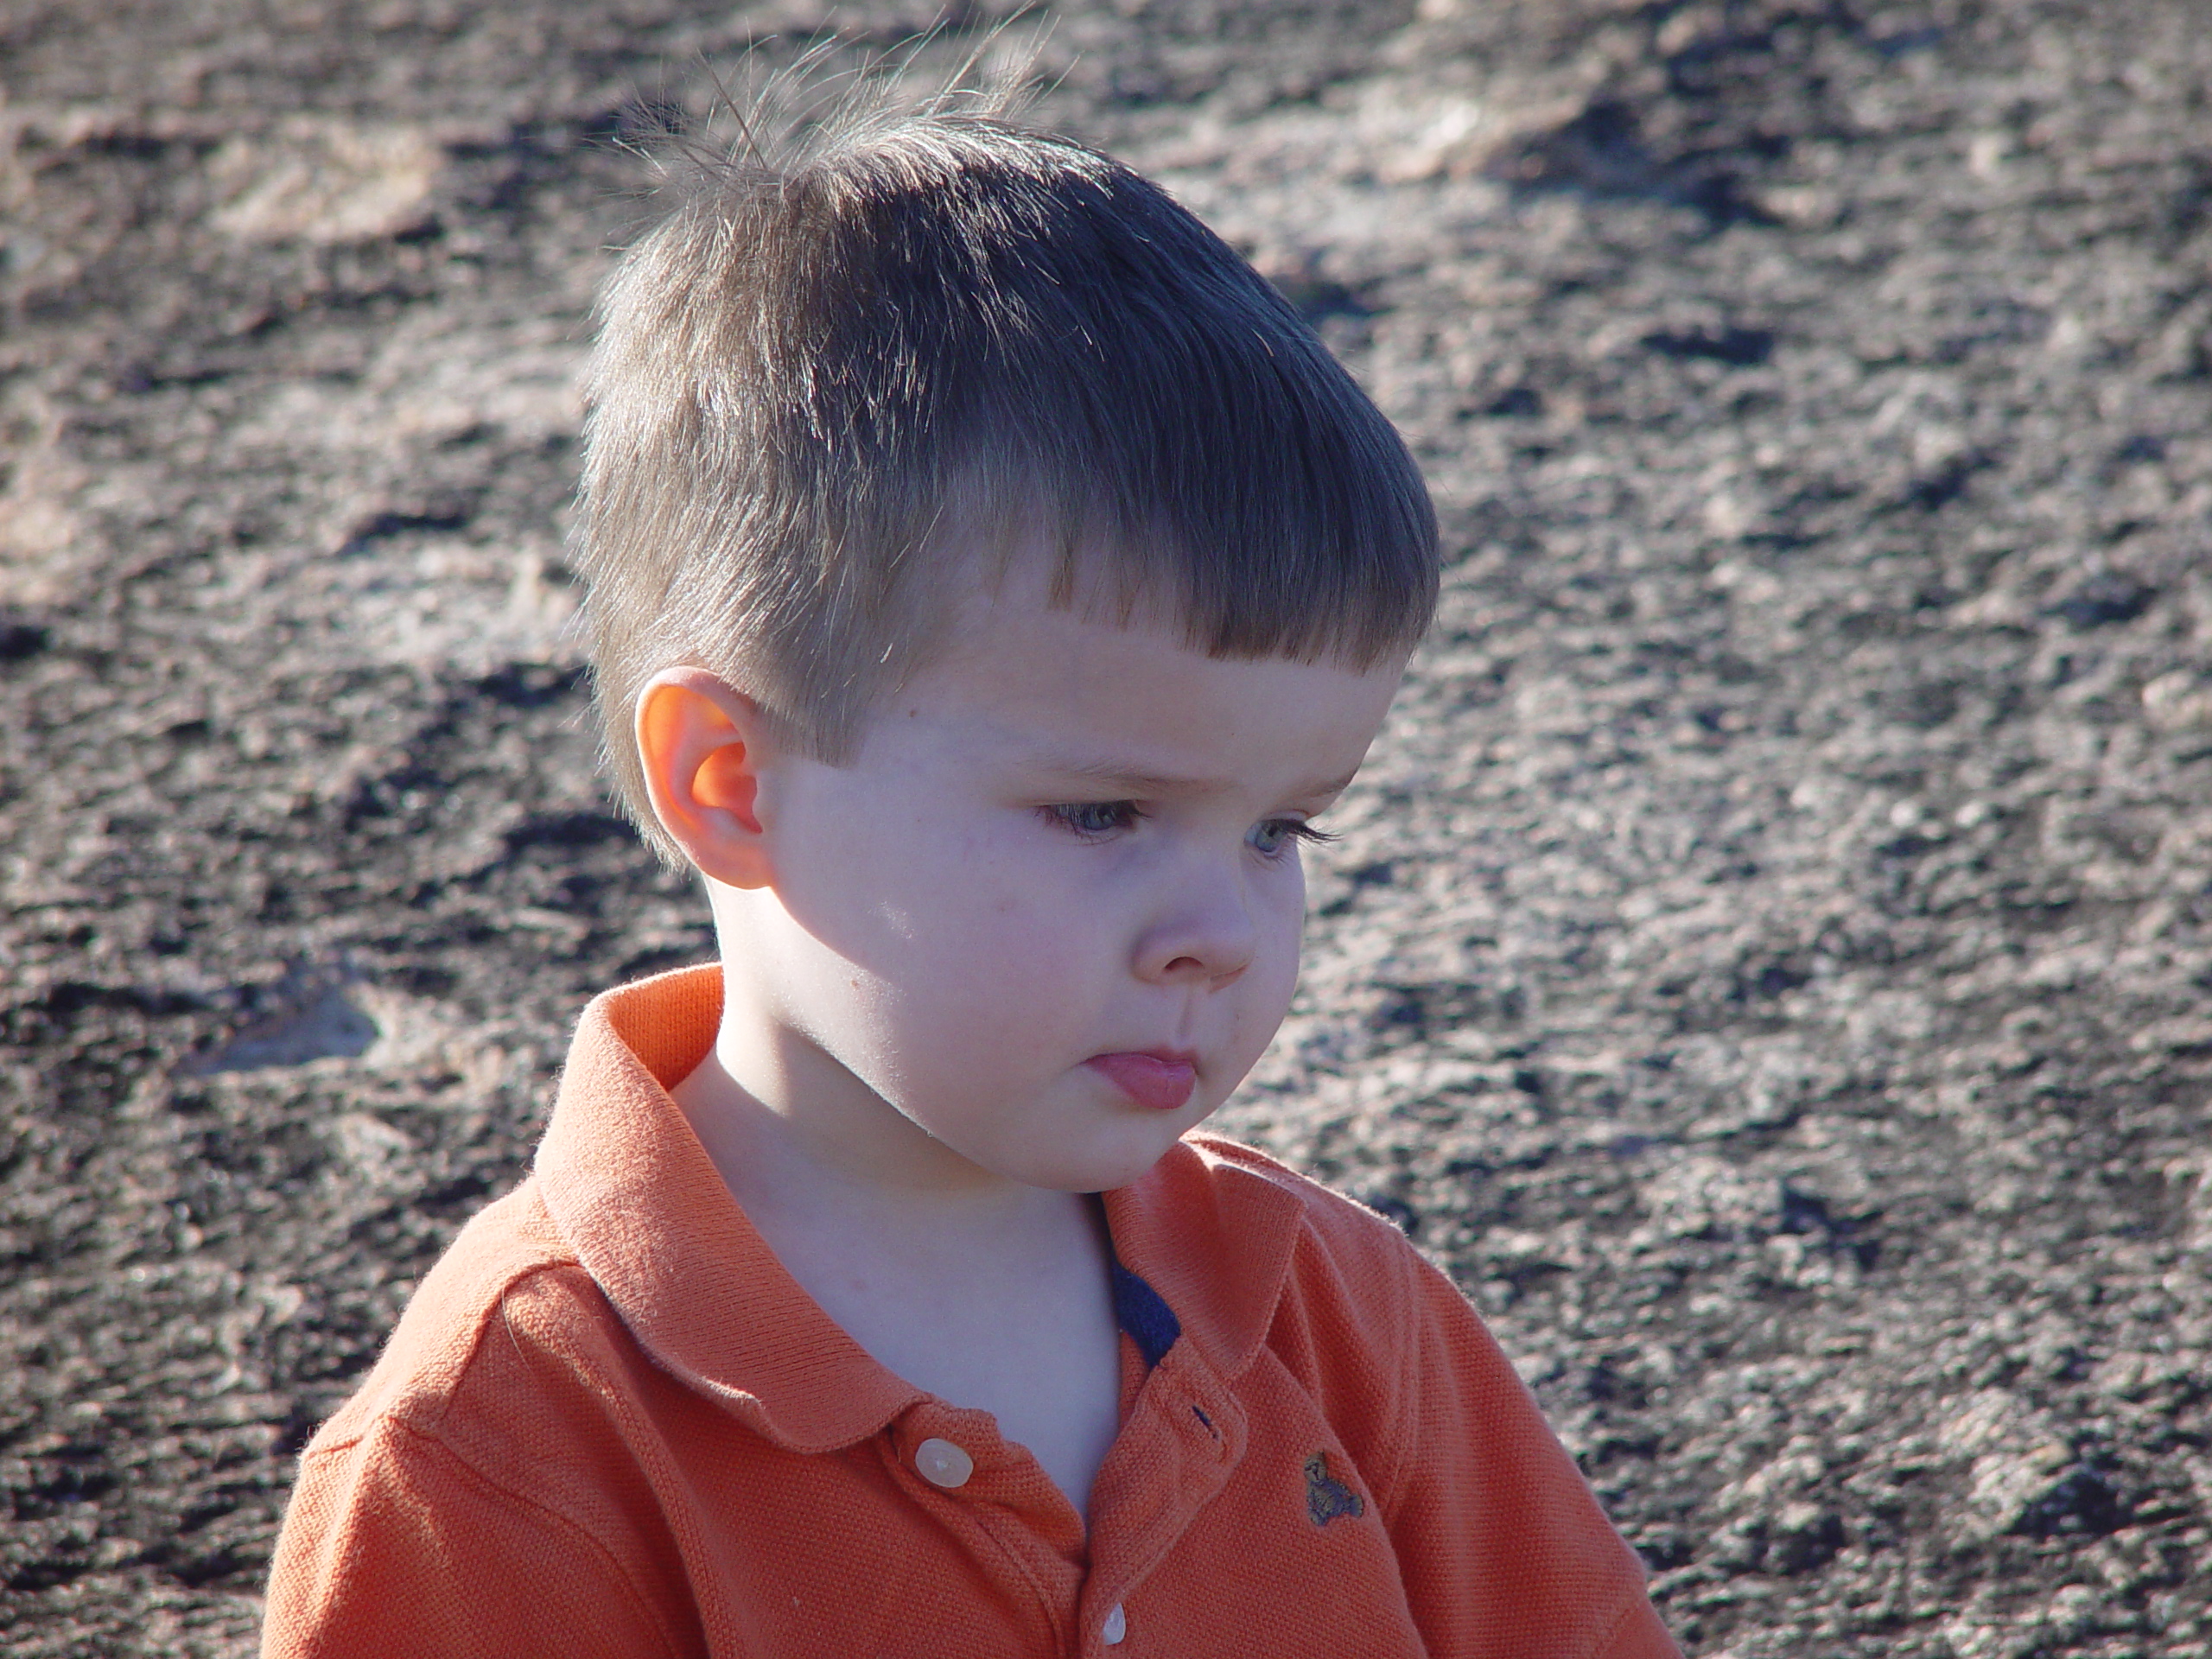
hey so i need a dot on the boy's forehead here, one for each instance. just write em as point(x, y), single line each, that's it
point(1085, 692)
point(1129, 772)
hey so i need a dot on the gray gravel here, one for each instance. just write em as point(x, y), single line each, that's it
point(1769, 960)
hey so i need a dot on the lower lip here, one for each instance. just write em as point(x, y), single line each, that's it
point(1162, 1085)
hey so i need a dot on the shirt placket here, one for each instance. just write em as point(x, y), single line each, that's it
point(1182, 1443)
point(992, 1497)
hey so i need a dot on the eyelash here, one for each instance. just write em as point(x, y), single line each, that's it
point(1071, 815)
point(1125, 814)
point(1296, 830)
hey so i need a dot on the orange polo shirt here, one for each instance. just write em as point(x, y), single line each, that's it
point(611, 1423)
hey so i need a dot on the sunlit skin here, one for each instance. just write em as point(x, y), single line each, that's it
point(1040, 923)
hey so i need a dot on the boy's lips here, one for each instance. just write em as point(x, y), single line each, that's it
point(1161, 1079)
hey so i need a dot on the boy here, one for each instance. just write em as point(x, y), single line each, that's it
point(990, 581)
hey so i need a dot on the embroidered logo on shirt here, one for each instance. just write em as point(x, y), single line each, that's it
point(1327, 1497)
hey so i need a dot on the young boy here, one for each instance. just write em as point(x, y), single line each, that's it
point(991, 580)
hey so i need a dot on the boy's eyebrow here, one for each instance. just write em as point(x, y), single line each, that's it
point(1137, 780)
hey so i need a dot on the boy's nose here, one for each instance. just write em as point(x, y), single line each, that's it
point(1210, 937)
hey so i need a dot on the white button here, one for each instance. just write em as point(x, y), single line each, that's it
point(942, 1464)
point(1116, 1627)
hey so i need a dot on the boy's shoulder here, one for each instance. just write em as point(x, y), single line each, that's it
point(512, 1248)
point(476, 1494)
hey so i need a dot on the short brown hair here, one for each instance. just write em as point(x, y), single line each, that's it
point(830, 369)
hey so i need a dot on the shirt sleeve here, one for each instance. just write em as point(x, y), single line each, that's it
point(1502, 1545)
point(394, 1547)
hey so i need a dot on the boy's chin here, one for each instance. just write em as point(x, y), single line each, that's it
point(1101, 1174)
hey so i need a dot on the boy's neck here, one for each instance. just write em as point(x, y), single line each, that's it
point(984, 1290)
point(778, 1116)
point(790, 1130)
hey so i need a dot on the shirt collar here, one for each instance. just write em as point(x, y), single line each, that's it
point(1213, 1238)
point(648, 1215)
point(650, 1219)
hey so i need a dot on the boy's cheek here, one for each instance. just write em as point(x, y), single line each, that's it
point(1270, 984)
point(1017, 918)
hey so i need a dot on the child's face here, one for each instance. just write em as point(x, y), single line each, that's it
point(1049, 911)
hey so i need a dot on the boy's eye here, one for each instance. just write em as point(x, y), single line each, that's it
point(1272, 835)
point(1095, 817)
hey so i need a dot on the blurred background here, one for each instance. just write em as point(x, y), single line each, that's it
point(1769, 960)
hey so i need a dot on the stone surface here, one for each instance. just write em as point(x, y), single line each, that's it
point(1767, 962)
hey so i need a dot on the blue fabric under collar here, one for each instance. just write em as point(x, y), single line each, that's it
point(1144, 1313)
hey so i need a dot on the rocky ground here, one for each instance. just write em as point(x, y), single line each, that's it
point(1769, 960)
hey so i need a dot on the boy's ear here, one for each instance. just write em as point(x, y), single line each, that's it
point(702, 743)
